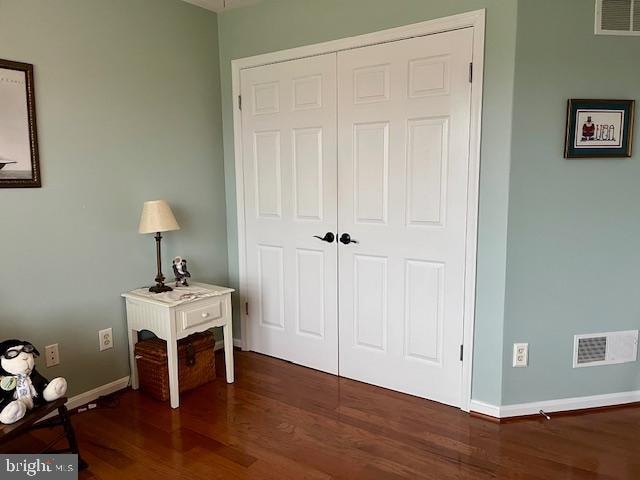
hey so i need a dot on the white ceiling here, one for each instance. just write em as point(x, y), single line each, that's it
point(222, 5)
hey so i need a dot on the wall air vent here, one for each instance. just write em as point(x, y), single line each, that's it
point(617, 17)
point(605, 348)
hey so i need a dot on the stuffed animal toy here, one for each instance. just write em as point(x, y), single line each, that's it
point(21, 386)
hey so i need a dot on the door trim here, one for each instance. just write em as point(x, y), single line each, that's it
point(474, 19)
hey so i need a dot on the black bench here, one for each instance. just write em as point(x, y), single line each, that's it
point(31, 422)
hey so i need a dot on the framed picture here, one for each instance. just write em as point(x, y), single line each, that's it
point(599, 128)
point(19, 164)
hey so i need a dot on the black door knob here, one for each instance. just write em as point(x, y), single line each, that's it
point(346, 239)
point(328, 237)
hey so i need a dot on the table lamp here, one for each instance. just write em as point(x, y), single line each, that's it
point(157, 217)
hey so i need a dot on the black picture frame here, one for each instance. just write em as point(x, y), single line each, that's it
point(598, 128)
point(12, 84)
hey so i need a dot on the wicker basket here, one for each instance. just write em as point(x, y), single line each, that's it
point(196, 364)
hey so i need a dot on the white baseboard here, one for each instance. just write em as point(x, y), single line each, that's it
point(107, 389)
point(484, 408)
point(87, 397)
point(559, 405)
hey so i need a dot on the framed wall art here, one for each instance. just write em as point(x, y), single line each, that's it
point(599, 128)
point(19, 163)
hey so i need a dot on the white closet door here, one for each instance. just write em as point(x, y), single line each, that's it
point(403, 151)
point(289, 155)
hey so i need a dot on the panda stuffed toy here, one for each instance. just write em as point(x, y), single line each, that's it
point(21, 386)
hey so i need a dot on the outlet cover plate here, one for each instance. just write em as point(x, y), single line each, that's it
point(105, 338)
point(52, 355)
point(520, 355)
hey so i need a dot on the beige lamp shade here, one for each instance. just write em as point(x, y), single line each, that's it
point(157, 217)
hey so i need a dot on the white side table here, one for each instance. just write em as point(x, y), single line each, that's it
point(175, 315)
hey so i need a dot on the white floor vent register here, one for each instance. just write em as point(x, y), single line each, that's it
point(605, 348)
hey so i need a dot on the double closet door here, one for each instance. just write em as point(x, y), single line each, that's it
point(355, 194)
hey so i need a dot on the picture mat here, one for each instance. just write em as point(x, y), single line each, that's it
point(599, 117)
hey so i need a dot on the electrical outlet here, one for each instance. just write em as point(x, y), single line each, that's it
point(105, 339)
point(520, 354)
point(52, 355)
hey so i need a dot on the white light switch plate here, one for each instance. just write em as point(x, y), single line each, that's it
point(520, 354)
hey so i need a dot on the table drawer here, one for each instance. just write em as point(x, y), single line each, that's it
point(200, 314)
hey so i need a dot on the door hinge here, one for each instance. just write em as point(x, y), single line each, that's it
point(240, 102)
point(246, 308)
point(461, 352)
point(470, 72)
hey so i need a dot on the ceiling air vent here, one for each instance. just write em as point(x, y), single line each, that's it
point(617, 17)
point(605, 348)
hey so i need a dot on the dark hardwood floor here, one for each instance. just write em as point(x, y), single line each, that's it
point(281, 421)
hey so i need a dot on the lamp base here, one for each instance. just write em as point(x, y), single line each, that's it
point(160, 288)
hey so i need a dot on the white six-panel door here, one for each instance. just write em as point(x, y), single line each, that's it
point(289, 155)
point(403, 137)
point(389, 167)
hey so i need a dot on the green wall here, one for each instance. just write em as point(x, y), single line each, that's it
point(574, 225)
point(132, 103)
point(128, 110)
point(279, 24)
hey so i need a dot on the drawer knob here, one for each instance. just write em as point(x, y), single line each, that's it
point(205, 314)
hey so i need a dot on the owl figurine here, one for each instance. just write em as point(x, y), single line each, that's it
point(180, 271)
